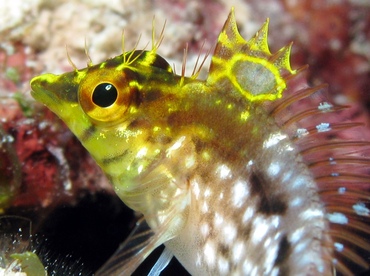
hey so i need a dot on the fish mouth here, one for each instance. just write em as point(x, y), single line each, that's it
point(41, 92)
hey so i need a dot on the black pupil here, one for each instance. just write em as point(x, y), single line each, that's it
point(105, 94)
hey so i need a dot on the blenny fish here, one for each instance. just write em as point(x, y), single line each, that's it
point(248, 172)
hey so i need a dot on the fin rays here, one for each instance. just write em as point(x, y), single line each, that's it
point(339, 160)
point(127, 258)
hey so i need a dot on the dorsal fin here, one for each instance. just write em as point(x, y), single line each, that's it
point(333, 146)
point(229, 40)
point(248, 67)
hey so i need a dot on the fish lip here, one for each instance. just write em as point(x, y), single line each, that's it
point(40, 92)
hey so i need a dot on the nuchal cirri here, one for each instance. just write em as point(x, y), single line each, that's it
point(248, 172)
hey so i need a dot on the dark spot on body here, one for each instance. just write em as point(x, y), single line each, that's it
point(153, 95)
point(199, 145)
point(138, 124)
point(270, 202)
point(245, 230)
point(115, 158)
point(283, 255)
point(136, 98)
point(161, 63)
point(160, 139)
point(273, 205)
point(88, 133)
point(256, 184)
point(224, 250)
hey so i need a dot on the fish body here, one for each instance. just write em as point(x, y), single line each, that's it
point(217, 178)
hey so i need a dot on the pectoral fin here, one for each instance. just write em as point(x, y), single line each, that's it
point(141, 242)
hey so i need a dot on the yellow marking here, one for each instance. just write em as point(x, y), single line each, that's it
point(227, 72)
point(132, 110)
point(244, 115)
point(149, 58)
point(121, 67)
point(206, 156)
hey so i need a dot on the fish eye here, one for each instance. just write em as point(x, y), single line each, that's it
point(104, 95)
